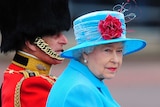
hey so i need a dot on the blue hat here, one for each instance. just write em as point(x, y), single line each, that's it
point(102, 27)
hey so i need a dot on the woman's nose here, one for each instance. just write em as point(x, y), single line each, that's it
point(114, 58)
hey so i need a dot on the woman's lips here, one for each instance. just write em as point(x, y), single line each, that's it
point(112, 69)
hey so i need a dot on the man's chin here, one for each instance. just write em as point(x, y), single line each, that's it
point(55, 62)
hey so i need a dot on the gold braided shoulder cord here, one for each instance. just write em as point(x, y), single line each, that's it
point(49, 79)
point(17, 102)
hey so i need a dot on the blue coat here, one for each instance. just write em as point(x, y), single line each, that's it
point(78, 87)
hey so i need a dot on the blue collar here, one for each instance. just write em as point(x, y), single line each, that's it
point(86, 72)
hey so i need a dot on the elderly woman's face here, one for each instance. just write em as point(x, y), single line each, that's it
point(105, 60)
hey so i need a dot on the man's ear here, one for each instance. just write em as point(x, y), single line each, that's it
point(30, 46)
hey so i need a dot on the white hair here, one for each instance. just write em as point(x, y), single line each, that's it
point(78, 53)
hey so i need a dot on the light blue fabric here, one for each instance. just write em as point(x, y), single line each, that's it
point(78, 87)
point(87, 34)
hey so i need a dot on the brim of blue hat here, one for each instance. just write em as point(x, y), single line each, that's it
point(130, 46)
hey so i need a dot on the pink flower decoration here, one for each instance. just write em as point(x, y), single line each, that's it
point(110, 28)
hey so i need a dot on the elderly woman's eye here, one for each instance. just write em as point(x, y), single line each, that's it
point(107, 50)
point(120, 51)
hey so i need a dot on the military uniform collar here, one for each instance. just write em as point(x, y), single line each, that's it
point(30, 62)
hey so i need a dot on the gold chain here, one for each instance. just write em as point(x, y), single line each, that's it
point(44, 47)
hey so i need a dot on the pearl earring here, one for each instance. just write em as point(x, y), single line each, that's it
point(85, 61)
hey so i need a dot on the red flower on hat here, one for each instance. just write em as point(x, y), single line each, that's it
point(110, 28)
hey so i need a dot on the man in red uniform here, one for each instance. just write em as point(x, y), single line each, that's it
point(33, 29)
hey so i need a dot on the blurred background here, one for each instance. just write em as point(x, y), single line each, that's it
point(137, 84)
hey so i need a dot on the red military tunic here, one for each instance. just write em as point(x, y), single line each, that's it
point(26, 82)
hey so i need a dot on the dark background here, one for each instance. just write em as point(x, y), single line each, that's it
point(147, 11)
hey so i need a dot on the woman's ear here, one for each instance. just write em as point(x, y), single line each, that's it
point(85, 55)
point(30, 46)
point(84, 58)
